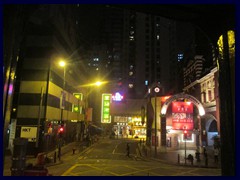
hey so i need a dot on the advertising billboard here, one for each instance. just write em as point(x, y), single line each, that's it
point(182, 115)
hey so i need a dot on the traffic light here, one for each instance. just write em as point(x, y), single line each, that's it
point(185, 134)
point(61, 130)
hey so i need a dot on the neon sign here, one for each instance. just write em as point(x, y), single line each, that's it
point(117, 97)
point(105, 113)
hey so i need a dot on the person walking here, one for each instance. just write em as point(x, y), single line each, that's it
point(197, 155)
point(216, 153)
point(128, 150)
point(205, 151)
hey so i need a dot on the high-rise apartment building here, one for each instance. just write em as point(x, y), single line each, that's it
point(141, 50)
point(149, 52)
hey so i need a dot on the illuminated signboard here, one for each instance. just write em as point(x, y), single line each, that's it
point(77, 108)
point(29, 132)
point(182, 115)
point(105, 114)
point(78, 95)
point(117, 97)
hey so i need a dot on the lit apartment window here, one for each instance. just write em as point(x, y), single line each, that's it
point(131, 32)
point(130, 85)
point(203, 97)
point(131, 38)
point(146, 82)
point(209, 95)
point(180, 57)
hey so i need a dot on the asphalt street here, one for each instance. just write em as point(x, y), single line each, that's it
point(108, 158)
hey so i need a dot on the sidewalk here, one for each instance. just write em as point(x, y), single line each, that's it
point(177, 157)
point(68, 148)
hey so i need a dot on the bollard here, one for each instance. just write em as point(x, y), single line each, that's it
point(206, 161)
point(55, 157)
point(178, 159)
point(59, 153)
point(73, 150)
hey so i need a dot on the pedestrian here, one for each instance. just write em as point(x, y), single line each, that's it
point(128, 150)
point(205, 151)
point(197, 155)
point(190, 158)
point(216, 152)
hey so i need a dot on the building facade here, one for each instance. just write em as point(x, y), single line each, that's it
point(46, 96)
point(205, 88)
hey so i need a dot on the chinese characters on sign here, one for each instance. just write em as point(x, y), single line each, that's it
point(105, 114)
point(182, 115)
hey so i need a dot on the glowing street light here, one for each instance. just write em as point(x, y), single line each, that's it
point(98, 83)
point(62, 63)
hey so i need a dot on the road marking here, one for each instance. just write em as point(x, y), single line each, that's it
point(110, 169)
point(80, 157)
point(114, 149)
point(69, 170)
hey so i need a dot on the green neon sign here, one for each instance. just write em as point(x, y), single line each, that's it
point(105, 112)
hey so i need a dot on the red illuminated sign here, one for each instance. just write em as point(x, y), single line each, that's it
point(182, 107)
point(182, 115)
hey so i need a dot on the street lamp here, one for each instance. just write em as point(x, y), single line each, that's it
point(62, 106)
point(62, 103)
point(98, 83)
point(156, 90)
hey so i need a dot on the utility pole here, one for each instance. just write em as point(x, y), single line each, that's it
point(155, 120)
point(62, 106)
point(185, 145)
point(156, 90)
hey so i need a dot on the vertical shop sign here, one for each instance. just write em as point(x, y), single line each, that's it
point(105, 111)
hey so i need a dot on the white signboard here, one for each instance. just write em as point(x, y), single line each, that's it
point(29, 132)
point(12, 133)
